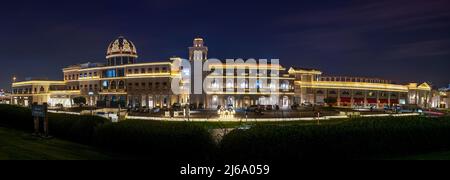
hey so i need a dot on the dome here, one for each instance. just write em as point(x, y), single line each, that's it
point(121, 47)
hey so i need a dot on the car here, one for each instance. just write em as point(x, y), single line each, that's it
point(295, 107)
point(252, 108)
point(320, 104)
point(177, 107)
point(269, 108)
point(156, 110)
point(307, 104)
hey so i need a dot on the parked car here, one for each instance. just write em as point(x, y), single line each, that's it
point(156, 110)
point(295, 107)
point(252, 108)
point(177, 107)
point(307, 104)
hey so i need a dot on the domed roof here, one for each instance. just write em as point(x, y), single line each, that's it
point(121, 47)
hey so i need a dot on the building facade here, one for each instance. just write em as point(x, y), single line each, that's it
point(441, 98)
point(124, 82)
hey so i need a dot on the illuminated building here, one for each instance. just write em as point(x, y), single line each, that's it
point(5, 97)
point(124, 82)
point(312, 87)
point(441, 98)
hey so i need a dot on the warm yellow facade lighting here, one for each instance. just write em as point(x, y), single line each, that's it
point(353, 86)
point(28, 83)
point(248, 77)
point(120, 66)
point(249, 93)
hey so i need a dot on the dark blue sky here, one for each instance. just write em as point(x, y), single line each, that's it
point(401, 40)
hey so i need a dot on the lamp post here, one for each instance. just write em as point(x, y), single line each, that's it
point(12, 89)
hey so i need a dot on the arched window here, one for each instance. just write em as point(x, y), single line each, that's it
point(215, 84)
point(285, 85)
point(42, 89)
point(244, 84)
point(258, 84)
point(230, 84)
point(105, 84)
point(121, 85)
point(113, 85)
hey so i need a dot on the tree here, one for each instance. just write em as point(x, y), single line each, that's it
point(79, 100)
point(330, 101)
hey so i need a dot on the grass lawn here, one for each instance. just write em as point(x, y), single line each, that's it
point(431, 156)
point(17, 145)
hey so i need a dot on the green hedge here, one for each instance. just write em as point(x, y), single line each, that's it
point(158, 140)
point(16, 117)
point(140, 139)
point(357, 139)
point(75, 128)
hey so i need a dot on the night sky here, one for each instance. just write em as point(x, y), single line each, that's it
point(400, 40)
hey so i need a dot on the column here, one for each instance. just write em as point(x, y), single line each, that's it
point(378, 99)
point(389, 99)
point(338, 97)
point(365, 99)
point(352, 100)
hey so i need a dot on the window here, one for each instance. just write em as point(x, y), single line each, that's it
point(258, 84)
point(121, 85)
point(230, 84)
point(143, 71)
point(113, 85)
point(285, 85)
point(95, 74)
point(130, 71)
point(164, 70)
point(136, 71)
point(157, 70)
point(244, 84)
point(105, 84)
point(110, 73)
point(150, 70)
point(120, 72)
point(214, 84)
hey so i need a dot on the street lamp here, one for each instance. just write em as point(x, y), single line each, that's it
point(12, 89)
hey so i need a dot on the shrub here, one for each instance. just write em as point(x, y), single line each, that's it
point(356, 139)
point(158, 140)
point(75, 128)
point(16, 117)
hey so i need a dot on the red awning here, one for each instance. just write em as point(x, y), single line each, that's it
point(359, 100)
point(372, 101)
point(384, 101)
point(346, 99)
